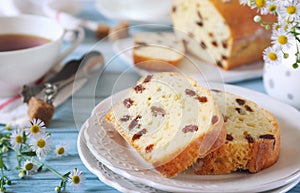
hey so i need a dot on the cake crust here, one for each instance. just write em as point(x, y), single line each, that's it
point(221, 33)
point(167, 157)
point(245, 149)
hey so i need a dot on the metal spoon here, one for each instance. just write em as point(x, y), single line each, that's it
point(89, 63)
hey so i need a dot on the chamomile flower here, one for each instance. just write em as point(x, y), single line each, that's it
point(40, 145)
point(261, 5)
point(30, 167)
point(285, 33)
point(282, 25)
point(282, 39)
point(272, 7)
point(272, 55)
point(61, 149)
point(290, 11)
point(35, 128)
point(16, 138)
point(76, 179)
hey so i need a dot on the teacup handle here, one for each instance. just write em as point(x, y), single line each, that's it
point(75, 43)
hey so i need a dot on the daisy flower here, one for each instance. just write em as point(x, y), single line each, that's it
point(16, 138)
point(61, 149)
point(282, 39)
point(282, 24)
point(40, 145)
point(261, 5)
point(30, 167)
point(76, 179)
point(35, 128)
point(272, 55)
point(272, 7)
point(285, 37)
point(290, 11)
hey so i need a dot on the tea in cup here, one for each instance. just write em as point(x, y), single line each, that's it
point(30, 46)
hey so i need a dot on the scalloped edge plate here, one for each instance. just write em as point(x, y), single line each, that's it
point(121, 159)
point(125, 185)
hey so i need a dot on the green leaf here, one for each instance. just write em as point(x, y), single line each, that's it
point(66, 175)
point(24, 137)
point(40, 168)
point(29, 153)
point(62, 182)
point(2, 165)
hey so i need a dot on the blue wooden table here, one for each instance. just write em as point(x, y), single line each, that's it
point(69, 117)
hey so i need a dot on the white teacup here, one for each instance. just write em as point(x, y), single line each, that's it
point(24, 66)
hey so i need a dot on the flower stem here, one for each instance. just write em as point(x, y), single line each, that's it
point(18, 158)
point(2, 177)
point(51, 169)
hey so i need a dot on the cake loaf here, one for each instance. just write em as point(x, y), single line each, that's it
point(169, 120)
point(252, 138)
point(221, 32)
point(158, 51)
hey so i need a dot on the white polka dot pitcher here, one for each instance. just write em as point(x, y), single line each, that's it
point(282, 82)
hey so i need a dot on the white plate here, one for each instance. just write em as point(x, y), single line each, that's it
point(125, 185)
point(110, 149)
point(123, 48)
point(106, 175)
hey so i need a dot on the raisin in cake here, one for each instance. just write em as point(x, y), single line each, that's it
point(169, 120)
point(220, 32)
point(157, 51)
point(252, 138)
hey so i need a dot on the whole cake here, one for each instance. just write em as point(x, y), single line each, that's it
point(169, 120)
point(252, 138)
point(159, 51)
point(220, 32)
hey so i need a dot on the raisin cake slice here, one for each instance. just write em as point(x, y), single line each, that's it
point(221, 32)
point(169, 120)
point(252, 138)
point(158, 51)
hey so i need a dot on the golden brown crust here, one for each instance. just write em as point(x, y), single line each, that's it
point(246, 47)
point(188, 156)
point(247, 39)
point(246, 53)
point(265, 152)
point(252, 157)
point(241, 28)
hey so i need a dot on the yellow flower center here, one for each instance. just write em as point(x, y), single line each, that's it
point(282, 39)
point(34, 129)
point(272, 56)
point(291, 9)
point(76, 179)
point(41, 143)
point(272, 8)
point(29, 166)
point(19, 139)
point(60, 150)
point(260, 3)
